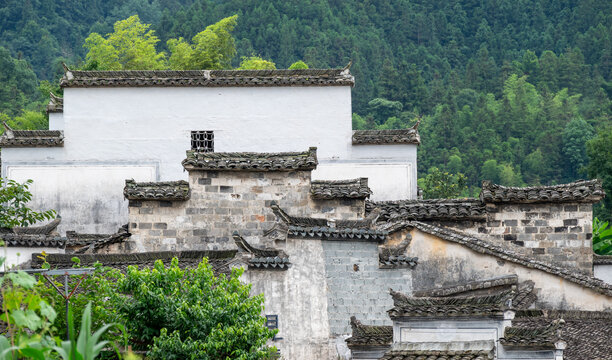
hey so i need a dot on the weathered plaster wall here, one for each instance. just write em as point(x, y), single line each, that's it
point(461, 265)
point(87, 196)
point(221, 202)
point(388, 179)
point(559, 234)
point(19, 255)
point(603, 272)
point(56, 121)
point(356, 286)
point(345, 209)
point(298, 297)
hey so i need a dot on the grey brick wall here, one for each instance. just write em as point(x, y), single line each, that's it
point(556, 233)
point(356, 286)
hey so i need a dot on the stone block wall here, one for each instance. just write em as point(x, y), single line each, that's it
point(357, 286)
point(558, 233)
point(221, 202)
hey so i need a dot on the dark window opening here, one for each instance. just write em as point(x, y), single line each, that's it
point(272, 323)
point(203, 141)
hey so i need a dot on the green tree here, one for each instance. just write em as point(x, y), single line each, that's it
point(256, 63)
point(192, 314)
point(130, 46)
point(14, 211)
point(599, 151)
point(575, 136)
point(214, 48)
point(298, 65)
point(442, 185)
point(383, 109)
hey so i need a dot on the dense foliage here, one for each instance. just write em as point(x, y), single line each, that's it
point(14, 211)
point(507, 90)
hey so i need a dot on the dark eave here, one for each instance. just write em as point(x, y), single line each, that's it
point(386, 137)
point(31, 138)
point(208, 78)
point(340, 189)
point(435, 209)
point(162, 190)
point(587, 191)
point(250, 161)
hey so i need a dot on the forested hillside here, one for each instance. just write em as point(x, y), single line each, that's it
point(507, 90)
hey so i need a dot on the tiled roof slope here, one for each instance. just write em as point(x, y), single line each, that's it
point(540, 337)
point(317, 228)
point(587, 333)
point(56, 103)
point(262, 258)
point(602, 259)
point(208, 78)
point(504, 253)
point(506, 280)
point(31, 138)
point(340, 189)
point(41, 240)
point(385, 137)
point(249, 161)
point(219, 260)
point(369, 335)
point(162, 190)
point(486, 305)
point(435, 209)
point(437, 355)
point(589, 191)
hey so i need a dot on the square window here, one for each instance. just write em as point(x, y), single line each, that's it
point(203, 141)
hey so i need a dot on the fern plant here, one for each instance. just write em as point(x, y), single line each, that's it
point(602, 237)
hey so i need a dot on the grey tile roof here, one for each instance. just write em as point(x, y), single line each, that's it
point(384, 137)
point(31, 138)
point(602, 259)
point(56, 103)
point(541, 337)
point(41, 240)
point(589, 191)
point(249, 161)
point(435, 209)
point(587, 333)
point(482, 305)
point(469, 286)
point(340, 189)
point(369, 335)
point(219, 260)
point(208, 78)
point(91, 243)
point(162, 190)
point(46, 229)
point(390, 257)
point(485, 247)
point(437, 355)
point(324, 229)
point(262, 258)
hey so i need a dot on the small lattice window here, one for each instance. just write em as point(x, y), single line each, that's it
point(203, 141)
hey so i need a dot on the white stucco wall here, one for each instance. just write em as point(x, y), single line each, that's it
point(603, 272)
point(18, 255)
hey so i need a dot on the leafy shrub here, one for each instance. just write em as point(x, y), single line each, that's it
point(192, 313)
point(602, 237)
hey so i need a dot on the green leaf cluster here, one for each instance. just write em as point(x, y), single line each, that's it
point(602, 237)
point(14, 211)
point(442, 185)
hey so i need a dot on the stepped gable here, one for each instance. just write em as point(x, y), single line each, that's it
point(56, 104)
point(251, 161)
point(262, 258)
point(485, 305)
point(533, 337)
point(31, 138)
point(340, 189)
point(437, 355)
point(220, 261)
point(386, 137)
point(485, 247)
point(162, 190)
point(588, 191)
point(369, 335)
point(317, 228)
point(586, 333)
point(434, 209)
point(208, 78)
